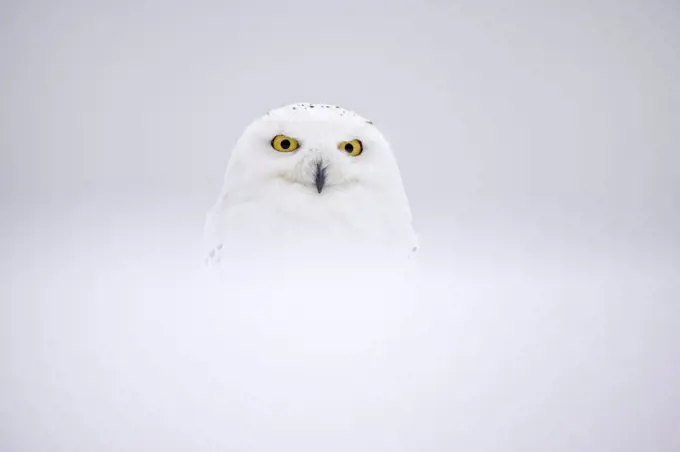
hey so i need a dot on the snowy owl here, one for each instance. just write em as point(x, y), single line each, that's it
point(307, 180)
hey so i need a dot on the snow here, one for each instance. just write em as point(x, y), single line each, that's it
point(115, 338)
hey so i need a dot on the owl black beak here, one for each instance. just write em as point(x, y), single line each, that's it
point(319, 176)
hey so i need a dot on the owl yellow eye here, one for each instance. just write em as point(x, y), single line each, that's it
point(283, 143)
point(353, 147)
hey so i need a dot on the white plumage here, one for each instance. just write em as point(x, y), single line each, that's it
point(316, 199)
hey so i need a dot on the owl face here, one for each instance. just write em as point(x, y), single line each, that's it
point(323, 148)
point(305, 178)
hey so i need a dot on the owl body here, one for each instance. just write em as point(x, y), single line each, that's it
point(311, 180)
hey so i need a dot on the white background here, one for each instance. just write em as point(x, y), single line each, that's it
point(538, 143)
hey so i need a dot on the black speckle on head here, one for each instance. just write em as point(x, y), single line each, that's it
point(369, 122)
point(311, 106)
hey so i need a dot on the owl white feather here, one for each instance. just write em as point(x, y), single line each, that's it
point(310, 180)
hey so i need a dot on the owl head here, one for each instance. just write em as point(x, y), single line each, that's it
point(310, 174)
point(322, 148)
